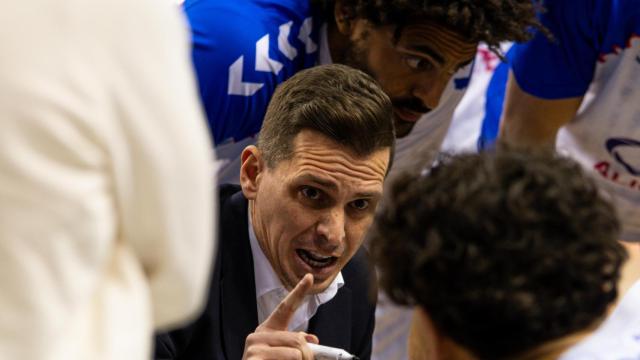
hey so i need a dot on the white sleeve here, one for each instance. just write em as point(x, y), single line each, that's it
point(166, 175)
point(103, 145)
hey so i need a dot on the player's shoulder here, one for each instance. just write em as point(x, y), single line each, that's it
point(235, 20)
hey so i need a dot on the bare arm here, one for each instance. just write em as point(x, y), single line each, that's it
point(528, 120)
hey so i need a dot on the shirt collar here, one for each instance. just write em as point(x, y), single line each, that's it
point(266, 278)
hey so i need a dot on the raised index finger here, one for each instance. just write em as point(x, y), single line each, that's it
point(280, 317)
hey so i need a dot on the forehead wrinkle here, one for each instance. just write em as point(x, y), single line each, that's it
point(340, 166)
point(327, 160)
point(351, 162)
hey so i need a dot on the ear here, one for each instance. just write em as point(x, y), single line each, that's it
point(250, 171)
point(344, 19)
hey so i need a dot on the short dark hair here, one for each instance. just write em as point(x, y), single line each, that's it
point(489, 21)
point(505, 251)
point(340, 102)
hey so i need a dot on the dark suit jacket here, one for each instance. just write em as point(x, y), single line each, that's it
point(230, 315)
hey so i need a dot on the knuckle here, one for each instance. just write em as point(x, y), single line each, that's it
point(300, 339)
point(254, 352)
point(251, 339)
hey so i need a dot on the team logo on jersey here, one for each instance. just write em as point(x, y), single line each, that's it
point(237, 86)
point(614, 145)
point(619, 149)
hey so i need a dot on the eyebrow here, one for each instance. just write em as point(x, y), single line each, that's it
point(369, 195)
point(433, 54)
point(320, 181)
point(427, 50)
point(332, 186)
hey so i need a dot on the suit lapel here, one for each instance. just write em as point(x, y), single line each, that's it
point(238, 307)
point(332, 322)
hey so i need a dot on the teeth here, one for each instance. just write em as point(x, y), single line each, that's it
point(318, 256)
point(315, 260)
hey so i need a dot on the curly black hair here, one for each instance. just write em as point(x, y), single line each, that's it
point(489, 21)
point(505, 251)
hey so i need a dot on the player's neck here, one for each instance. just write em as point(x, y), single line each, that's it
point(554, 349)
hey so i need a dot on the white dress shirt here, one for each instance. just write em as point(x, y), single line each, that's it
point(270, 291)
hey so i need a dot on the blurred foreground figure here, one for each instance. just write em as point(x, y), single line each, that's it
point(506, 255)
point(106, 201)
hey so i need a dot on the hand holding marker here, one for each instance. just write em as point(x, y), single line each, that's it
point(272, 340)
point(321, 352)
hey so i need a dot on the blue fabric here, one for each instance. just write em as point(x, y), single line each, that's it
point(585, 32)
point(223, 31)
point(493, 104)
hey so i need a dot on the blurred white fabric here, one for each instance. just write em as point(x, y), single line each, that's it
point(618, 338)
point(106, 178)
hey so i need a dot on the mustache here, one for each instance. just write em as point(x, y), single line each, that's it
point(412, 104)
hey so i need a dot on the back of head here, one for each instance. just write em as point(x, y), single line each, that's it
point(342, 103)
point(504, 251)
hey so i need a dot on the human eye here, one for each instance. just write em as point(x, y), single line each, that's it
point(360, 204)
point(417, 63)
point(311, 193)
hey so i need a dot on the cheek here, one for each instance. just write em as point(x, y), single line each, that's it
point(393, 80)
point(296, 222)
point(355, 234)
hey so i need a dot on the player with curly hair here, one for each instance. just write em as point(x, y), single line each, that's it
point(507, 255)
point(421, 53)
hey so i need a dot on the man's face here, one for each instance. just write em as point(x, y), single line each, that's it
point(310, 213)
point(413, 68)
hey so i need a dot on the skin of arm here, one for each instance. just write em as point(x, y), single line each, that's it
point(530, 121)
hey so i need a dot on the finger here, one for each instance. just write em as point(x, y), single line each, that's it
point(256, 343)
point(276, 338)
point(310, 338)
point(280, 317)
point(263, 352)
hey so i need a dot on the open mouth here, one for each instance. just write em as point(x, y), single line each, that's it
point(316, 260)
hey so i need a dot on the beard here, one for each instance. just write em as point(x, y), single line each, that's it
point(356, 56)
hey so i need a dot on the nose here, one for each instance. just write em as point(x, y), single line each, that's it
point(430, 90)
point(331, 230)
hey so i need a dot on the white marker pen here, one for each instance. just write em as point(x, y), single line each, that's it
point(321, 352)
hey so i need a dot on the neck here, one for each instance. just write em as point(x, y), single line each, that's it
point(554, 349)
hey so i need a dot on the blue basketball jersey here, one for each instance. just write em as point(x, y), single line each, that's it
point(242, 49)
